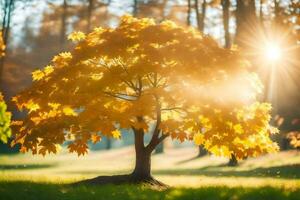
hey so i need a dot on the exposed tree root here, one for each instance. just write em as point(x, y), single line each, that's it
point(123, 179)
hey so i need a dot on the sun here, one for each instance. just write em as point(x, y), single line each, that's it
point(273, 52)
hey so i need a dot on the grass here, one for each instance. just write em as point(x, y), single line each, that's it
point(273, 177)
point(37, 191)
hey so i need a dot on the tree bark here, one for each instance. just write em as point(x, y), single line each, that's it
point(246, 21)
point(6, 20)
point(225, 8)
point(63, 23)
point(160, 148)
point(89, 14)
point(142, 170)
point(189, 10)
point(135, 8)
point(200, 16)
point(202, 152)
point(233, 161)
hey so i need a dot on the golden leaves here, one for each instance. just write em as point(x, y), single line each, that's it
point(181, 136)
point(116, 134)
point(62, 59)
point(198, 139)
point(40, 74)
point(80, 147)
point(32, 106)
point(48, 69)
point(294, 138)
point(140, 74)
point(2, 46)
point(37, 75)
point(67, 110)
point(5, 117)
point(76, 36)
point(95, 138)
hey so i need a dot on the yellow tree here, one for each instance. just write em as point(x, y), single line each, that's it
point(158, 79)
point(5, 116)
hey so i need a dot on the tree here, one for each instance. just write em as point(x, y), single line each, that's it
point(189, 12)
point(226, 15)
point(5, 116)
point(8, 6)
point(143, 74)
point(200, 17)
point(246, 21)
point(63, 29)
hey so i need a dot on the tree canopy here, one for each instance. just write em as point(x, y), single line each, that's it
point(160, 79)
point(5, 116)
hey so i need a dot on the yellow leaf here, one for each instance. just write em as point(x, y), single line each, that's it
point(116, 134)
point(31, 106)
point(181, 136)
point(48, 70)
point(69, 111)
point(238, 128)
point(37, 75)
point(76, 36)
point(95, 138)
point(198, 139)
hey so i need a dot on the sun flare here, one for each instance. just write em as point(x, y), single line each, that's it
point(273, 52)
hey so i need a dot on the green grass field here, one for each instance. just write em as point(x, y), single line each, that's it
point(271, 177)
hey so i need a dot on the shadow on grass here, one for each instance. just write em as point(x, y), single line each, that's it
point(36, 191)
point(285, 171)
point(25, 166)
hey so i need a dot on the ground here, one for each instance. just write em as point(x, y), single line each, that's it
point(275, 176)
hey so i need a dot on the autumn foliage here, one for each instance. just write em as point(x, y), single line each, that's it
point(5, 116)
point(5, 131)
point(158, 79)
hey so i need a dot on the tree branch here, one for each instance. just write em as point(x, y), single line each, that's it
point(155, 140)
point(173, 108)
point(121, 96)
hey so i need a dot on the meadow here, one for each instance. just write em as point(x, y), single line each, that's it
point(274, 176)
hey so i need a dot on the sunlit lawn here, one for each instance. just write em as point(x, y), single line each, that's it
point(269, 177)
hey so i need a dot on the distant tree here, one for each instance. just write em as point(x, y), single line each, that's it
point(5, 131)
point(200, 16)
point(143, 74)
point(7, 9)
point(135, 8)
point(189, 12)
point(246, 21)
point(64, 16)
point(226, 15)
point(89, 13)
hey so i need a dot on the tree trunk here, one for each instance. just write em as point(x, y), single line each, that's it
point(142, 169)
point(63, 23)
point(89, 14)
point(135, 8)
point(189, 10)
point(108, 144)
point(200, 16)
point(160, 148)
point(277, 12)
point(202, 151)
point(6, 20)
point(233, 161)
point(261, 14)
point(225, 8)
point(246, 21)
